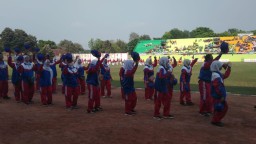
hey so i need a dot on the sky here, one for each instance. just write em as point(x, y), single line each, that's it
point(81, 20)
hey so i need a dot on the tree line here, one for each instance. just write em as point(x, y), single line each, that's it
point(17, 38)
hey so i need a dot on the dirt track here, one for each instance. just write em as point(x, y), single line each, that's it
point(22, 124)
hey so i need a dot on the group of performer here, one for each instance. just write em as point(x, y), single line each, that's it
point(158, 87)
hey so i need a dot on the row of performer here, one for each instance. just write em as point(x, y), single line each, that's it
point(158, 87)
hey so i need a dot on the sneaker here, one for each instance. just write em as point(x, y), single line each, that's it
point(189, 104)
point(75, 107)
point(204, 114)
point(91, 112)
point(6, 97)
point(129, 114)
point(219, 124)
point(169, 117)
point(182, 103)
point(98, 109)
point(157, 117)
point(109, 96)
point(103, 96)
point(133, 112)
point(69, 108)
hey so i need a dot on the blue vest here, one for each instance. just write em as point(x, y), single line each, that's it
point(80, 72)
point(16, 76)
point(221, 87)
point(92, 79)
point(188, 74)
point(71, 79)
point(128, 85)
point(28, 73)
point(3, 71)
point(205, 74)
point(45, 78)
point(161, 83)
point(54, 70)
point(105, 73)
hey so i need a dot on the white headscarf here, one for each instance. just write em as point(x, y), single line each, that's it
point(164, 62)
point(77, 65)
point(148, 61)
point(128, 65)
point(215, 66)
point(48, 68)
point(148, 64)
point(94, 62)
point(186, 62)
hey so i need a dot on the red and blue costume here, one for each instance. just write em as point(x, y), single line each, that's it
point(3, 80)
point(149, 83)
point(128, 87)
point(204, 82)
point(106, 79)
point(121, 77)
point(27, 73)
point(186, 72)
point(46, 76)
point(70, 73)
point(16, 77)
point(81, 75)
point(161, 86)
point(218, 92)
point(93, 86)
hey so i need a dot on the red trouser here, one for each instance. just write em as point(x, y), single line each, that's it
point(3, 88)
point(71, 95)
point(54, 84)
point(107, 84)
point(185, 93)
point(93, 97)
point(205, 97)
point(218, 115)
point(122, 92)
point(165, 99)
point(18, 91)
point(28, 92)
point(130, 102)
point(37, 82)
point(82, 86)
point(149, 92)
point(46, 95)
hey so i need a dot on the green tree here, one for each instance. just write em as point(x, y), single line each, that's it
point(122, 45)
point(235, 31)
point(131, 45)
point(145, 37)
point(202, 32)
point(133, 36)
point(95, 44)
point(17, 38)
point(176, 33)
point(70, 47)
point(254, 32)
point(42, 43)
point(47, 49)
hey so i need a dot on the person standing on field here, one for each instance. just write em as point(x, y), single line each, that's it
point(16, 76)
point(105, 79)
point(186, 72)
point(218, 91)
point(149, 78)
point(204, 85)
point(3, 78)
